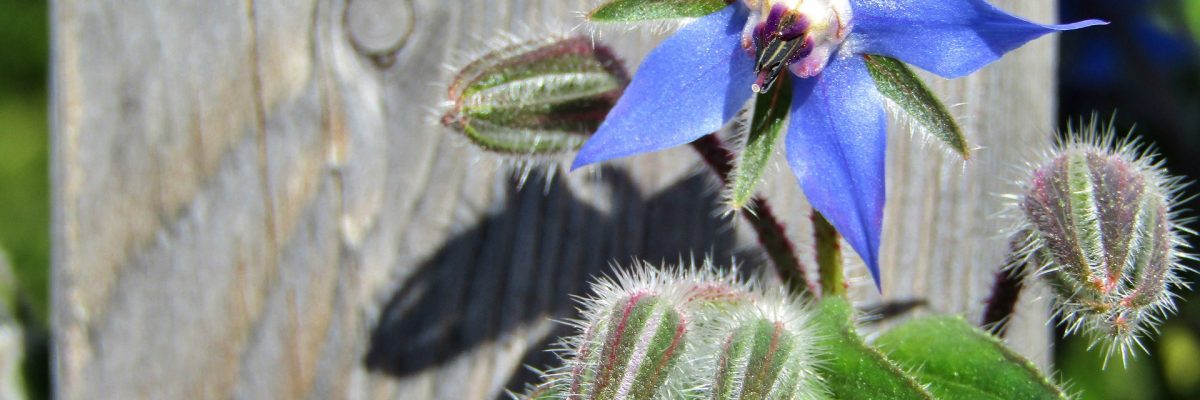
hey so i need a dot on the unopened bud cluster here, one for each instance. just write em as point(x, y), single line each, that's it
point(654, 334)
point(1100, 225)
point(536, 98)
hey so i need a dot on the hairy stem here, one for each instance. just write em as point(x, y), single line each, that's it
point(769, 229)
point(1006, 290)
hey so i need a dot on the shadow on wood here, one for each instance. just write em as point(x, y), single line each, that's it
point(469, 293)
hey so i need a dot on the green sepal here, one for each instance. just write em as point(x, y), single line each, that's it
point(958, 361)
point(653, 10)
point(852, 369)
point(898, 82)
point(770, 113)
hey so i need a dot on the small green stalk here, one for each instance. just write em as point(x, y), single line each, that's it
point(829, 257)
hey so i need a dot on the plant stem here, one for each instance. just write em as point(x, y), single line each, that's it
point(829, 257)
point(1006, 290)
point(769, 229)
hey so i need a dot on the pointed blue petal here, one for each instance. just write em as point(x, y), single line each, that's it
point(836, 147)
point(948, 38)
point(687, 87)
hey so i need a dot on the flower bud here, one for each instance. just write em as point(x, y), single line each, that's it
point(636, 333)
point(540, 97)
point(1100, 224)
point(763, 358)
point(629, 353)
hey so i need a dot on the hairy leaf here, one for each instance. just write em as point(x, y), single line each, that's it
point(958, 361)
point(854, 370)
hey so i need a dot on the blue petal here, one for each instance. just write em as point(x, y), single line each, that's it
point(948, 38)
point(836, 147)
point(687, 87)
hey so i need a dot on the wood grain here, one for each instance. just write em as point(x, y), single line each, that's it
point(250, 201)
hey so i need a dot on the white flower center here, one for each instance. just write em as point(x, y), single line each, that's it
point(799, 35)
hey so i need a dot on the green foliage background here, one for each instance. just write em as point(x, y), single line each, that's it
point(24, 155)
point(24, 175)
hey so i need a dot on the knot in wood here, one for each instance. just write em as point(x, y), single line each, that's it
point(379, 28)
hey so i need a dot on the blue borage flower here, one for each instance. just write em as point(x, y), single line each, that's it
point(700, 77)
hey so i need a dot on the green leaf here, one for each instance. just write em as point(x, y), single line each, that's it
point(959, 361)
point(653, 10)
point(770, 112)
point(852, 369)
point(898, 82)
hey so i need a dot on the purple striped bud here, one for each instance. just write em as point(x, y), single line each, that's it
point(629, 353)
point(541, 97)
point(761, 349)
point(636, 333)
point(767, 358)
point(1100, 224)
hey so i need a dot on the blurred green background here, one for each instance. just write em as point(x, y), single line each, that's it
point(1145, 67)
point(24, 177)
point(24, 157)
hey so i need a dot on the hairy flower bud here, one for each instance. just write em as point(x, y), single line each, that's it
point(628, 354)
point(691, 333)
point(1101, 226)
point(634, 333)
point(765, 356)
point(540, 97)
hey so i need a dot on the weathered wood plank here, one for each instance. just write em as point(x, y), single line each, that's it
point(250, 202)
